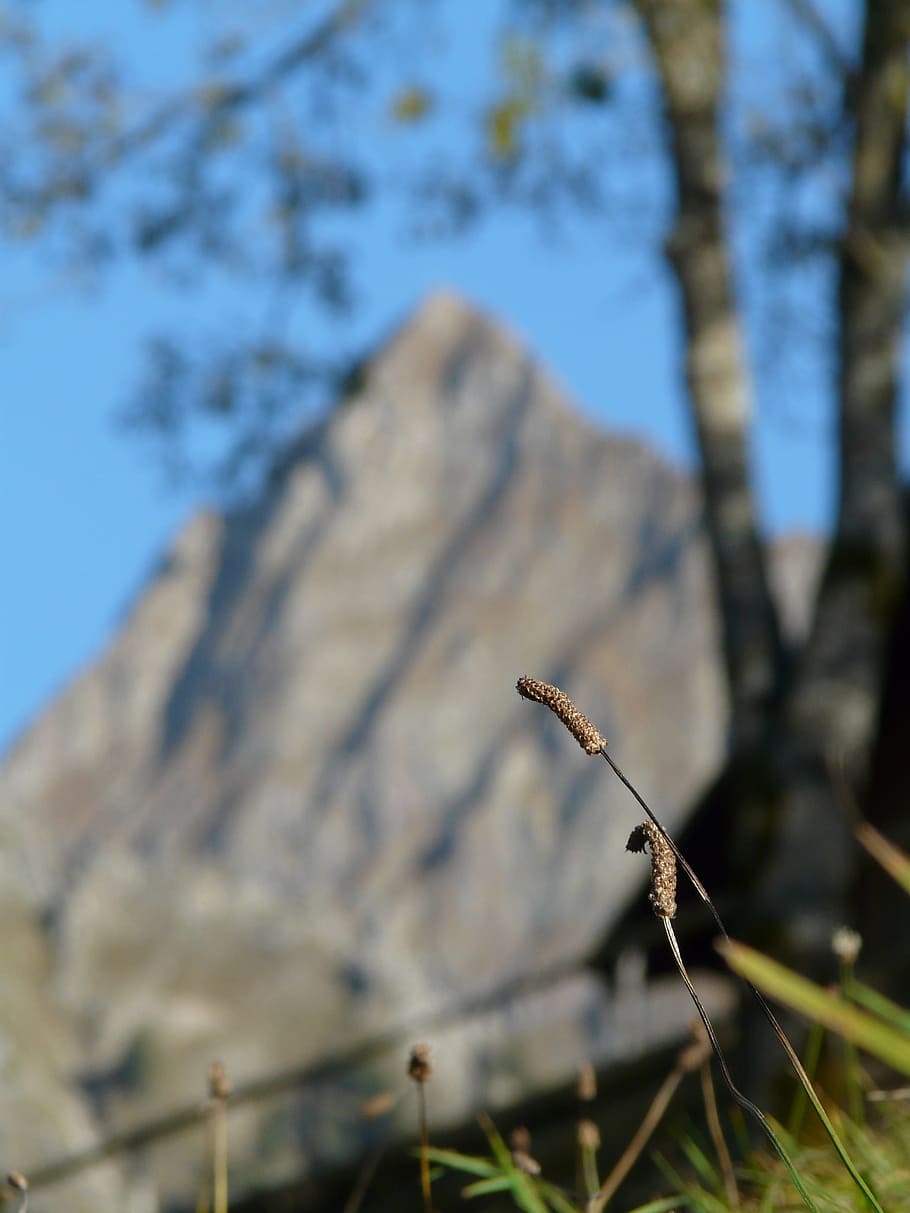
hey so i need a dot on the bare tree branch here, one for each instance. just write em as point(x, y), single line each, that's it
point(806, 12)
point(211, 105)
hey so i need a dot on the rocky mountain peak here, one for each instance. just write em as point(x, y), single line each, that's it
point(298, 788)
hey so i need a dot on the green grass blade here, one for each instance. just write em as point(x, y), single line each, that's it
point(738, 954)
point(484, 1187)
point(663, 1205)
point(700, 1163)
point(821, 1006)
point(895, 861)
point(878, 1004)
point(462, 1162)
point(556, 1198)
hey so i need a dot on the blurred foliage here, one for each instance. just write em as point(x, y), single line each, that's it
point(412, 104)
point(255, 168)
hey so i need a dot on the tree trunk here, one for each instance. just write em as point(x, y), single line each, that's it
point(686, 38)
point(776, 795)
point(831, 714)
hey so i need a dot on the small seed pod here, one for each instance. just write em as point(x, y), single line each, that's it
point(520, 1141)
point(419, 1066)
point(588, 737)
point(663, 867)
point(18, 1182)
point(588, 1135)
point(586, 1088)
point(219, 1084)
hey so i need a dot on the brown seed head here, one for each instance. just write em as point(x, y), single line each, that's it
point(17, 1180)
point(220, 1085)
point(663, 867)
point(587, 1082)
point(587, 736)
point(520, 1138)
point(588, 1135)
point(419, 1067)
point(520, 1141)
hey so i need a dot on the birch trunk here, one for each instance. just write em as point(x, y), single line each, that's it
point(787, 728)
point(686, 38)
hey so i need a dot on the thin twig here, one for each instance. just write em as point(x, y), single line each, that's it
point(364, 1179)
point(652, 1119)
point(419, 1071)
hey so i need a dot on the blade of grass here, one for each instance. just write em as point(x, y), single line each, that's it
point(895, 861)
point(522, 1187)
point(556, 1198)
point(819, 1005)
point(878, 1004)
point(700, 1163)
point(462, 1162)
point(485, 1187)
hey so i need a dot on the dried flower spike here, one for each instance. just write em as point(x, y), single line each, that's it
point(586, 1088)
point(587, 736)
point(663, 867)
point(520, 1141)
point(419, 1067)
point(588, 1135)
point(19, 1183)
point(219, 1084)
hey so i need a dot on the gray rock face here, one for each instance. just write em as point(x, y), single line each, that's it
point(297, 800)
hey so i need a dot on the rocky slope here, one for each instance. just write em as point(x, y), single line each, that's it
point(297, 800)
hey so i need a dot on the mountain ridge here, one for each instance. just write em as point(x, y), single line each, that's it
point(297, 789)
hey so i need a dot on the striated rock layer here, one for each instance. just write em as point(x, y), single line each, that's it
point(297, 800)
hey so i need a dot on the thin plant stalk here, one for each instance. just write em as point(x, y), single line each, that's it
point(587, 1137)
point(627, 1159)
point(791, 1053)
point(219, 1158)
point(364, 1179)
point(717, 1136)
point(424, 1151)
point(855, 1099)
point(588, 1179)
point(743, 1100)
point(219, 1090)
point(592, 742)
point(814, 1042)
point(419, 1071)
point(589, 1169)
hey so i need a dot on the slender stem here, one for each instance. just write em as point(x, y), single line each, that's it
point(813, 1050)
point(717, 1136)
point(590, 1178)
point(766, 1010)
point(219, 1157)
point(626, 1160)
point(855, 1097)
point(743, 1100)
point(424, 1149)
point(364, 1179)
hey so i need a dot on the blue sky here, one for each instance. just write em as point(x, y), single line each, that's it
point(87, 510)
